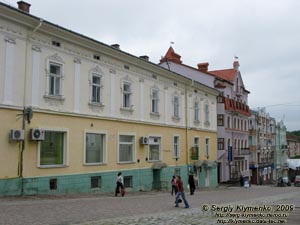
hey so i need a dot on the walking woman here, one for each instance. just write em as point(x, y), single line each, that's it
point(120, 185)
point(192, 184)
point(181, 193)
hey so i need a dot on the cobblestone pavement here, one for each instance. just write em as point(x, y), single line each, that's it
point(141, 208)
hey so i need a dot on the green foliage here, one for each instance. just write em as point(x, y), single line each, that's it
point(296, 133)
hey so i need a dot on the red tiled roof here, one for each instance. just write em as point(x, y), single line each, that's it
point(228, 74)
point(171, 56)
point(235, 106)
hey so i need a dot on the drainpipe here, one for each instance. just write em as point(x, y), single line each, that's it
point(186, 121)
point(186, 127)
point(24, 103)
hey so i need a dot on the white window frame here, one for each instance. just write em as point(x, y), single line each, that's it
point(176, 147)
point(55, 60)
point(206, 112)
point(196, 111)
point(100, 86)
point(56, 77)
point(176, 106)
point(154, 101)
point(133, 147)
point(65, 153)
point(159, 144)
point(104, 147)
point(129, 93)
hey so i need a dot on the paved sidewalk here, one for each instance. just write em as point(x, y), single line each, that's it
point(197, 216)
point(138, 208)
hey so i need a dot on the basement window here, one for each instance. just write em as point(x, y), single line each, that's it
point(53, 184)
point(96, 182)
point(128, 182)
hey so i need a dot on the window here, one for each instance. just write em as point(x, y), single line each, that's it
point(128, 182)
point(195, 155)
point(220, 99)
point(228, 122)
point(55, 79)
point(94, 148)
point(206, 111)
point(53, 149)
point(97, 57)
point(154, 148)
point(176, 106)
point(53, 184)
point(56, 43)
point(96, 88)
point(196, 111)
point(95, 182)
point(154, 101)
point(126, 148)
point(220, 120)
point(207, 147)
point(220, 143)
point(127, 95)
point(176, 147)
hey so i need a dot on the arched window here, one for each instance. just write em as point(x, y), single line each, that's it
point(228, 122)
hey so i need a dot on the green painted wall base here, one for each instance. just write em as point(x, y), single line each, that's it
point(102, 182)
point(10, 187)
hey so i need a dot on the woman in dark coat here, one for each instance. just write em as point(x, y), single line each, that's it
point(192, 184)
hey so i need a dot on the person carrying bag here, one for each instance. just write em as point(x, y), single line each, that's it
point(120, 185)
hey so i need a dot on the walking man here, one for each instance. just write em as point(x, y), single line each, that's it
point(181, 193)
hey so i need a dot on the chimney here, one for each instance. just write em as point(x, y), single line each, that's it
point(24, 6)
point(144, 57)
point(203, 66)
point(117, 46)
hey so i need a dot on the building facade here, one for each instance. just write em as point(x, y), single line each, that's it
point(232, 113)
point(293, 143)
point(74, 112)
point(262, 147)
point(281, 151)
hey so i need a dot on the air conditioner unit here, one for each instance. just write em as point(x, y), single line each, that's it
point(144, 140)
point(17, 135)
point(37, 134)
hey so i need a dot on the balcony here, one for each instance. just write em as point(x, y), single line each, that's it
point(252, 148)
point(252, 132)
point(241, 152)
point(245, 151)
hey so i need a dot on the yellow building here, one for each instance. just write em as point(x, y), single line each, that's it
point(74, 112)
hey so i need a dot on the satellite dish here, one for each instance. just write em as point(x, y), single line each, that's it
point(28, 114)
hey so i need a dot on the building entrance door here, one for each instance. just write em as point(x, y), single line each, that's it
point(156, 179)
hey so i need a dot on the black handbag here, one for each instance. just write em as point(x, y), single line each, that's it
point(179, 200)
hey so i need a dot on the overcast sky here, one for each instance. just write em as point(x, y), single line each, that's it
point(264, 34)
